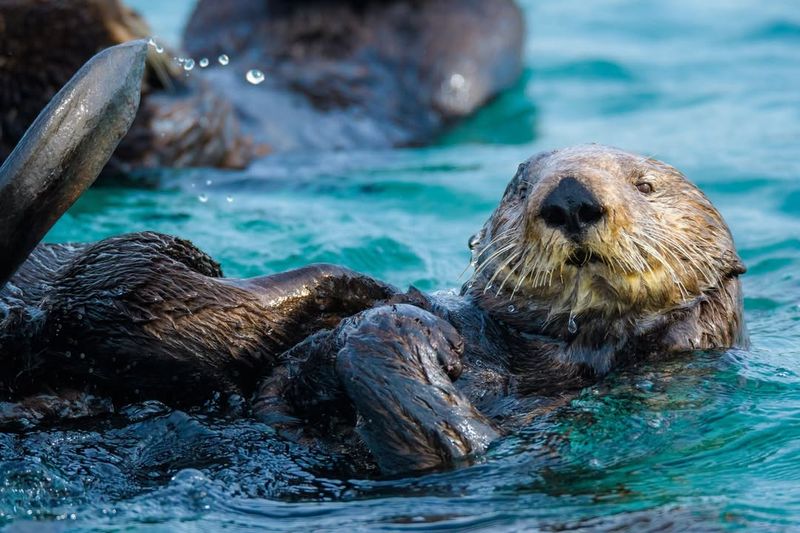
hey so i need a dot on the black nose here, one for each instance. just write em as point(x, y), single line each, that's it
point(571, 207)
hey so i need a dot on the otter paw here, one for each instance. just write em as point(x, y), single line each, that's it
point(395, 365)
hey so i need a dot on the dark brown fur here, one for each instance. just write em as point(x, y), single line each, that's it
point(422, 380)
point(137, 314)
point(595, 258)
point(339, 73)
point(365, 73)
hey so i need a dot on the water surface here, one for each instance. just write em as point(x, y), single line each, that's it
point(709, 441)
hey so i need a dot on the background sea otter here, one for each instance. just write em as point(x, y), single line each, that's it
point(339, 74)
point(594, 258)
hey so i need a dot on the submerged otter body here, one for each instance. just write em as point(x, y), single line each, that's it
point(595, 258)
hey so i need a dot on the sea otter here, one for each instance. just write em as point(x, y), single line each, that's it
point(594, 258)
point(339, 74)
point(358, 73)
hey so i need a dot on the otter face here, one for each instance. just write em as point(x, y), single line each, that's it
point(595, 234)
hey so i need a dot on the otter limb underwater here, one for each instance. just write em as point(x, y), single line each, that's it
point(595, 258)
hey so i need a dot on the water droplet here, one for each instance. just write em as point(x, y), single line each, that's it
point(204, 62)
point(457, 81)
point(572, 326)
point(152, 42)
point(229, 198)
point(68, 354)
point(254, 76)
point(83, 356)
point(203, 198)
point(188, 64)
point(512, 309)
point(223, 60)
point(209, 182)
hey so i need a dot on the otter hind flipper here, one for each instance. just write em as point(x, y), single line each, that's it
point(65, 149)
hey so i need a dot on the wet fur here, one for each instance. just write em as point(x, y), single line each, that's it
point(421, 380)
point(363, 73)
point(660, 269)
point(148, 315)
point(383, 67)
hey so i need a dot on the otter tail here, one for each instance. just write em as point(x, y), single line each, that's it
point(65, 149)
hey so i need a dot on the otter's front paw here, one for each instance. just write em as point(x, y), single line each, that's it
point(396, 364)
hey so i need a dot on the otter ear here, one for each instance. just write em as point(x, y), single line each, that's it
point(523, 178)
point(476, 239)
point(736, 266)
point(65, 149)
point(739, 267)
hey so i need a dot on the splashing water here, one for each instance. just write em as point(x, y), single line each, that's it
point(158, 48)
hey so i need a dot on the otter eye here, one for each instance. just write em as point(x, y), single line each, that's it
point(644, 187)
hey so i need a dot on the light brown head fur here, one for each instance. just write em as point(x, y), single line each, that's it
point(600, 247)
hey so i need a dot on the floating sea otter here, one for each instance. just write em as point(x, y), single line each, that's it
point(595, 258)
point(358, 73)
point(344, 73)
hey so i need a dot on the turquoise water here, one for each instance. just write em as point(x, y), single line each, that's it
point(710, 441)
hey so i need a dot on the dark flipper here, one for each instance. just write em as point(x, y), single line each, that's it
point(394, 365)
point(66, 148)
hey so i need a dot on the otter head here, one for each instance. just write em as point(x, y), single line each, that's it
point(597, 248)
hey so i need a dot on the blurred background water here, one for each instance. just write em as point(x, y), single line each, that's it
point(710, 441)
